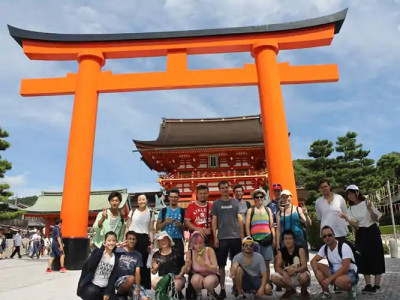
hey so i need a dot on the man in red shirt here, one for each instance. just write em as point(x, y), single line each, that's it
point(198, 216)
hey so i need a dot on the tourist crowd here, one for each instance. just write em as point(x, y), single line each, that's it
point(127, 253)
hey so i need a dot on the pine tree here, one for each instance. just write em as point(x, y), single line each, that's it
point(4, 166)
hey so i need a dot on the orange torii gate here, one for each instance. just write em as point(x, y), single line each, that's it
point(92, 50)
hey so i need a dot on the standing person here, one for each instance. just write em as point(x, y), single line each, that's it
point(3, 243)
point(291, 268)
point(109, 220)
point(198, 218)
point(248, 271)
point(17, 240)
point(363, 217)
point(259, 226)
point(244, 205)
point(342, 271)
point(57, 247)
point(198, 215)
point(171, 219)
point(37, 248)
point(166, 260)
point(202, 263)
point(274, 204)
point(141, 221)
point(127, 281)
point(329, 207)
point(291, 217)
point(95, 283)
point(228, 222)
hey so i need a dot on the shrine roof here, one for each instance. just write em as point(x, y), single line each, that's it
point(50, 202)
point(20, 34)
point(206, 132)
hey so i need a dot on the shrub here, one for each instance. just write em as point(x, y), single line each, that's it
point(388, 229)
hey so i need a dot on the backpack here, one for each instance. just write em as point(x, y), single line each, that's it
point(164, 212)
point(340, 245)
point(165, 289)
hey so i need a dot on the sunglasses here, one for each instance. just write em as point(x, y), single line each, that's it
point(248, 245)
point(327, 235)
point(259, 197)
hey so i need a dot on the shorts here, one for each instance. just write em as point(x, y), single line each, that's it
point(294, 279)
point(266, 252)
point(250, 283)
point(56, 252)
point(122, 279)
point(232, 246)
point(351, 273)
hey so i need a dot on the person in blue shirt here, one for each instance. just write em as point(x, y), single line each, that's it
point(171, 220)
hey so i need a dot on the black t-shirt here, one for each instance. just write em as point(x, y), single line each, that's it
point(171, 263)
point(128, 262)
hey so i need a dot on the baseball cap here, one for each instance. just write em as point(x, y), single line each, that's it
point(277, 186)
point(247, 239)
point(352, 187)
point(286, 192)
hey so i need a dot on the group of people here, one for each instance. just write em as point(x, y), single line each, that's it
point(251, 236)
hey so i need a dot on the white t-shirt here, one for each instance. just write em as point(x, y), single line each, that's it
point(334, 256)
point(328, 214)
point(103, 270)
point(361, 214)
point(36, 237)
point(140, 220)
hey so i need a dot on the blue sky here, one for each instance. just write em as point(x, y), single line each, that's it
point(365, 100)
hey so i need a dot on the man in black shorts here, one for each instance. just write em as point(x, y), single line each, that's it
point(227, 226)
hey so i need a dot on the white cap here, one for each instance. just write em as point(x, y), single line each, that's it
point(352, 187)
point(162, 235)
point(286, 192)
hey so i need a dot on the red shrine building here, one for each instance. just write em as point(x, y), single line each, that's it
point(190, 152)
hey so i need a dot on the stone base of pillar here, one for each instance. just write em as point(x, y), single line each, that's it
point(76, 252)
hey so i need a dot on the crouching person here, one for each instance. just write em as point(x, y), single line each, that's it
point(127, 273)
point(201, 262)
point(248, 271)
point(168, 260)
point(95, 283)
point(291, 268)
point(342, 270)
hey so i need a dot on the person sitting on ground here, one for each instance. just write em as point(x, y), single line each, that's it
point(127, 273)
point(291, 268)
point(342, 270)
point(94, 283)
point(201, 261)
point(167, 260)
point(248, 271)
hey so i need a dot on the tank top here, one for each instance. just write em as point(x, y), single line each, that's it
point(200, 269)
point(259, 225)
point(292, 222)
point(288, 259)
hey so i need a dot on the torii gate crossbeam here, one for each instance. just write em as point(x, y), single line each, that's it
point(92, 50)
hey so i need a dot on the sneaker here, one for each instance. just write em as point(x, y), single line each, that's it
point(48, 270)
point(324, 295)
point(241, 296)
point(377, 288)
point(234, 291)
point(337, 290)
point(368, 289)
point(63, 270)
point(288, 293)
point(222, 295)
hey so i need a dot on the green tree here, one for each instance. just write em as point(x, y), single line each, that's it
point(353, 165)
point(4, 166)
point(389, 167)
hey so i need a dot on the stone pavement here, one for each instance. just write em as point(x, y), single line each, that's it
point(26, 279)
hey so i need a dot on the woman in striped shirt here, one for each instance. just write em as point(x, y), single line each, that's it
point(260, 226)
